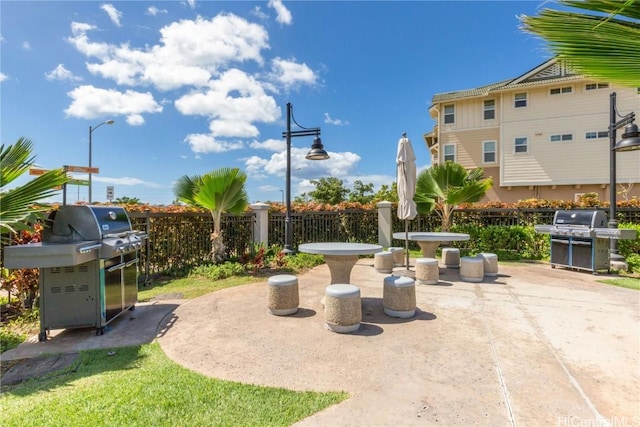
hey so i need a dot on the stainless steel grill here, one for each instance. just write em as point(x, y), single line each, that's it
point(88, 267)
point(580, 239)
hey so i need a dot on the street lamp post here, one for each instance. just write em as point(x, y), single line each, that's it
point(630, 141)
point(316, 153)
point(91, 129)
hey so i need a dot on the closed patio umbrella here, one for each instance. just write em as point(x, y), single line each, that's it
point(406, 181)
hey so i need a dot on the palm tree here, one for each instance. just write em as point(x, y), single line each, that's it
point(219, 191)
point(604, 46)
point(443, 187)
point(17, 204)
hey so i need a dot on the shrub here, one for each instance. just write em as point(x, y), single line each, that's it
point(219, 271)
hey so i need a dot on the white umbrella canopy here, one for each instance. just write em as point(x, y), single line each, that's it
point(406, 182)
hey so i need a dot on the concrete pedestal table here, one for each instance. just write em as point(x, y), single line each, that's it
point(429, 241)
point(340, 256)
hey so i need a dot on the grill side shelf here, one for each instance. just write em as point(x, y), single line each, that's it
point(45, 255)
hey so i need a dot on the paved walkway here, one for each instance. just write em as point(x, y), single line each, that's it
point(534, 346)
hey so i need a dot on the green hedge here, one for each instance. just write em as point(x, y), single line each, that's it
point(508, 242)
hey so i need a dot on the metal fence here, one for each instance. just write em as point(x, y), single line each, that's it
point(179, 241)
point(329, 226)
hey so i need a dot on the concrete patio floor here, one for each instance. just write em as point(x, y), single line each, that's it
point(533, 346)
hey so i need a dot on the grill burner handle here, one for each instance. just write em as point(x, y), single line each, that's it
point(86, 249)
point(117, 267)
point(126, 234)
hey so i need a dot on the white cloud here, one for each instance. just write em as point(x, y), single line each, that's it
point(61, 73)
point(135, 120)
point(3, 77)
point(283, 15)
point(154, 11)
point(89, 102)
point(201, 143)
point(291, 74)
point(233, 102)
point(337, 122)
point(114, 14)
point(190, 52)
point(26, 45)
point(191, 4)
point(126, 181)
point(270, 145)
point(81, 42)
point(339, 164)
point(208, 59)
point(254, 166)
point(258, 13)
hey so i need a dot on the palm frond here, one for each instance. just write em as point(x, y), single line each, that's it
point(15, 160)
point(604, 47)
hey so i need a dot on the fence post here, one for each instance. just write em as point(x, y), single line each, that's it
point(261, 224)
point(384, 224)
point(147, 254)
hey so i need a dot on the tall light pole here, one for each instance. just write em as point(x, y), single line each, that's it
point(91, 129)
point(316, 153)
point(630, 141)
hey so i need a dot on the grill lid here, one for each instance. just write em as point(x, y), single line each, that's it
point(582, 218)
point(81, 223)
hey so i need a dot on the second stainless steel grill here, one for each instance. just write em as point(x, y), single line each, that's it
point(580, 239)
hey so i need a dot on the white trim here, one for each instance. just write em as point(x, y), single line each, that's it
point(444, 151)
point(495, 152)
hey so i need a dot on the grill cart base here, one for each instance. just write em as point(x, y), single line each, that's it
point(87, 295)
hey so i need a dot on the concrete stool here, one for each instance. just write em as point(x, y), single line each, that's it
point(451, 257)
point(342, 308)
point(283, 294)
point(471, 269)
point(383, 262)
point(399, 297)
point(398, 256)
point(427, 271)
point(490, 263)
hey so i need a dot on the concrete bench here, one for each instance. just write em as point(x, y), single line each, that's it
point(471, 269)
point(399, 297)
point(283, 294)
point(427, 271)
point(451, 257)
point(398, 256)
point(383, 262)
point(342, 308)
point(490, 263)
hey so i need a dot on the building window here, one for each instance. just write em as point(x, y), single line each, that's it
point(596, 86)
point(490, 109)
point(489, 151)
point(560, 90)
point(596, 135)
point(449, 153)
point(561, 137)
point(520, 100)
point(521, 145)
point(449, 114)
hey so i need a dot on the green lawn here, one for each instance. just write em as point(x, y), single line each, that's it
point(140, 386)
point(623, 282)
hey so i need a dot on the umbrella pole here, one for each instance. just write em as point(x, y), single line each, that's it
point(406, 240)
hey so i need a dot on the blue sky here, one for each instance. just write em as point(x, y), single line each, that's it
point(198, 85)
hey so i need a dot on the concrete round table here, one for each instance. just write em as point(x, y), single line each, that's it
point(429, 241)
point(340, 256)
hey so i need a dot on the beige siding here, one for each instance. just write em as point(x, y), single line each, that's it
point(469, 153)
point(553, 170)
point(469, 114)
point(579, 161)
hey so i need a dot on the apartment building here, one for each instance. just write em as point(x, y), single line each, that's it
point(541, 135)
